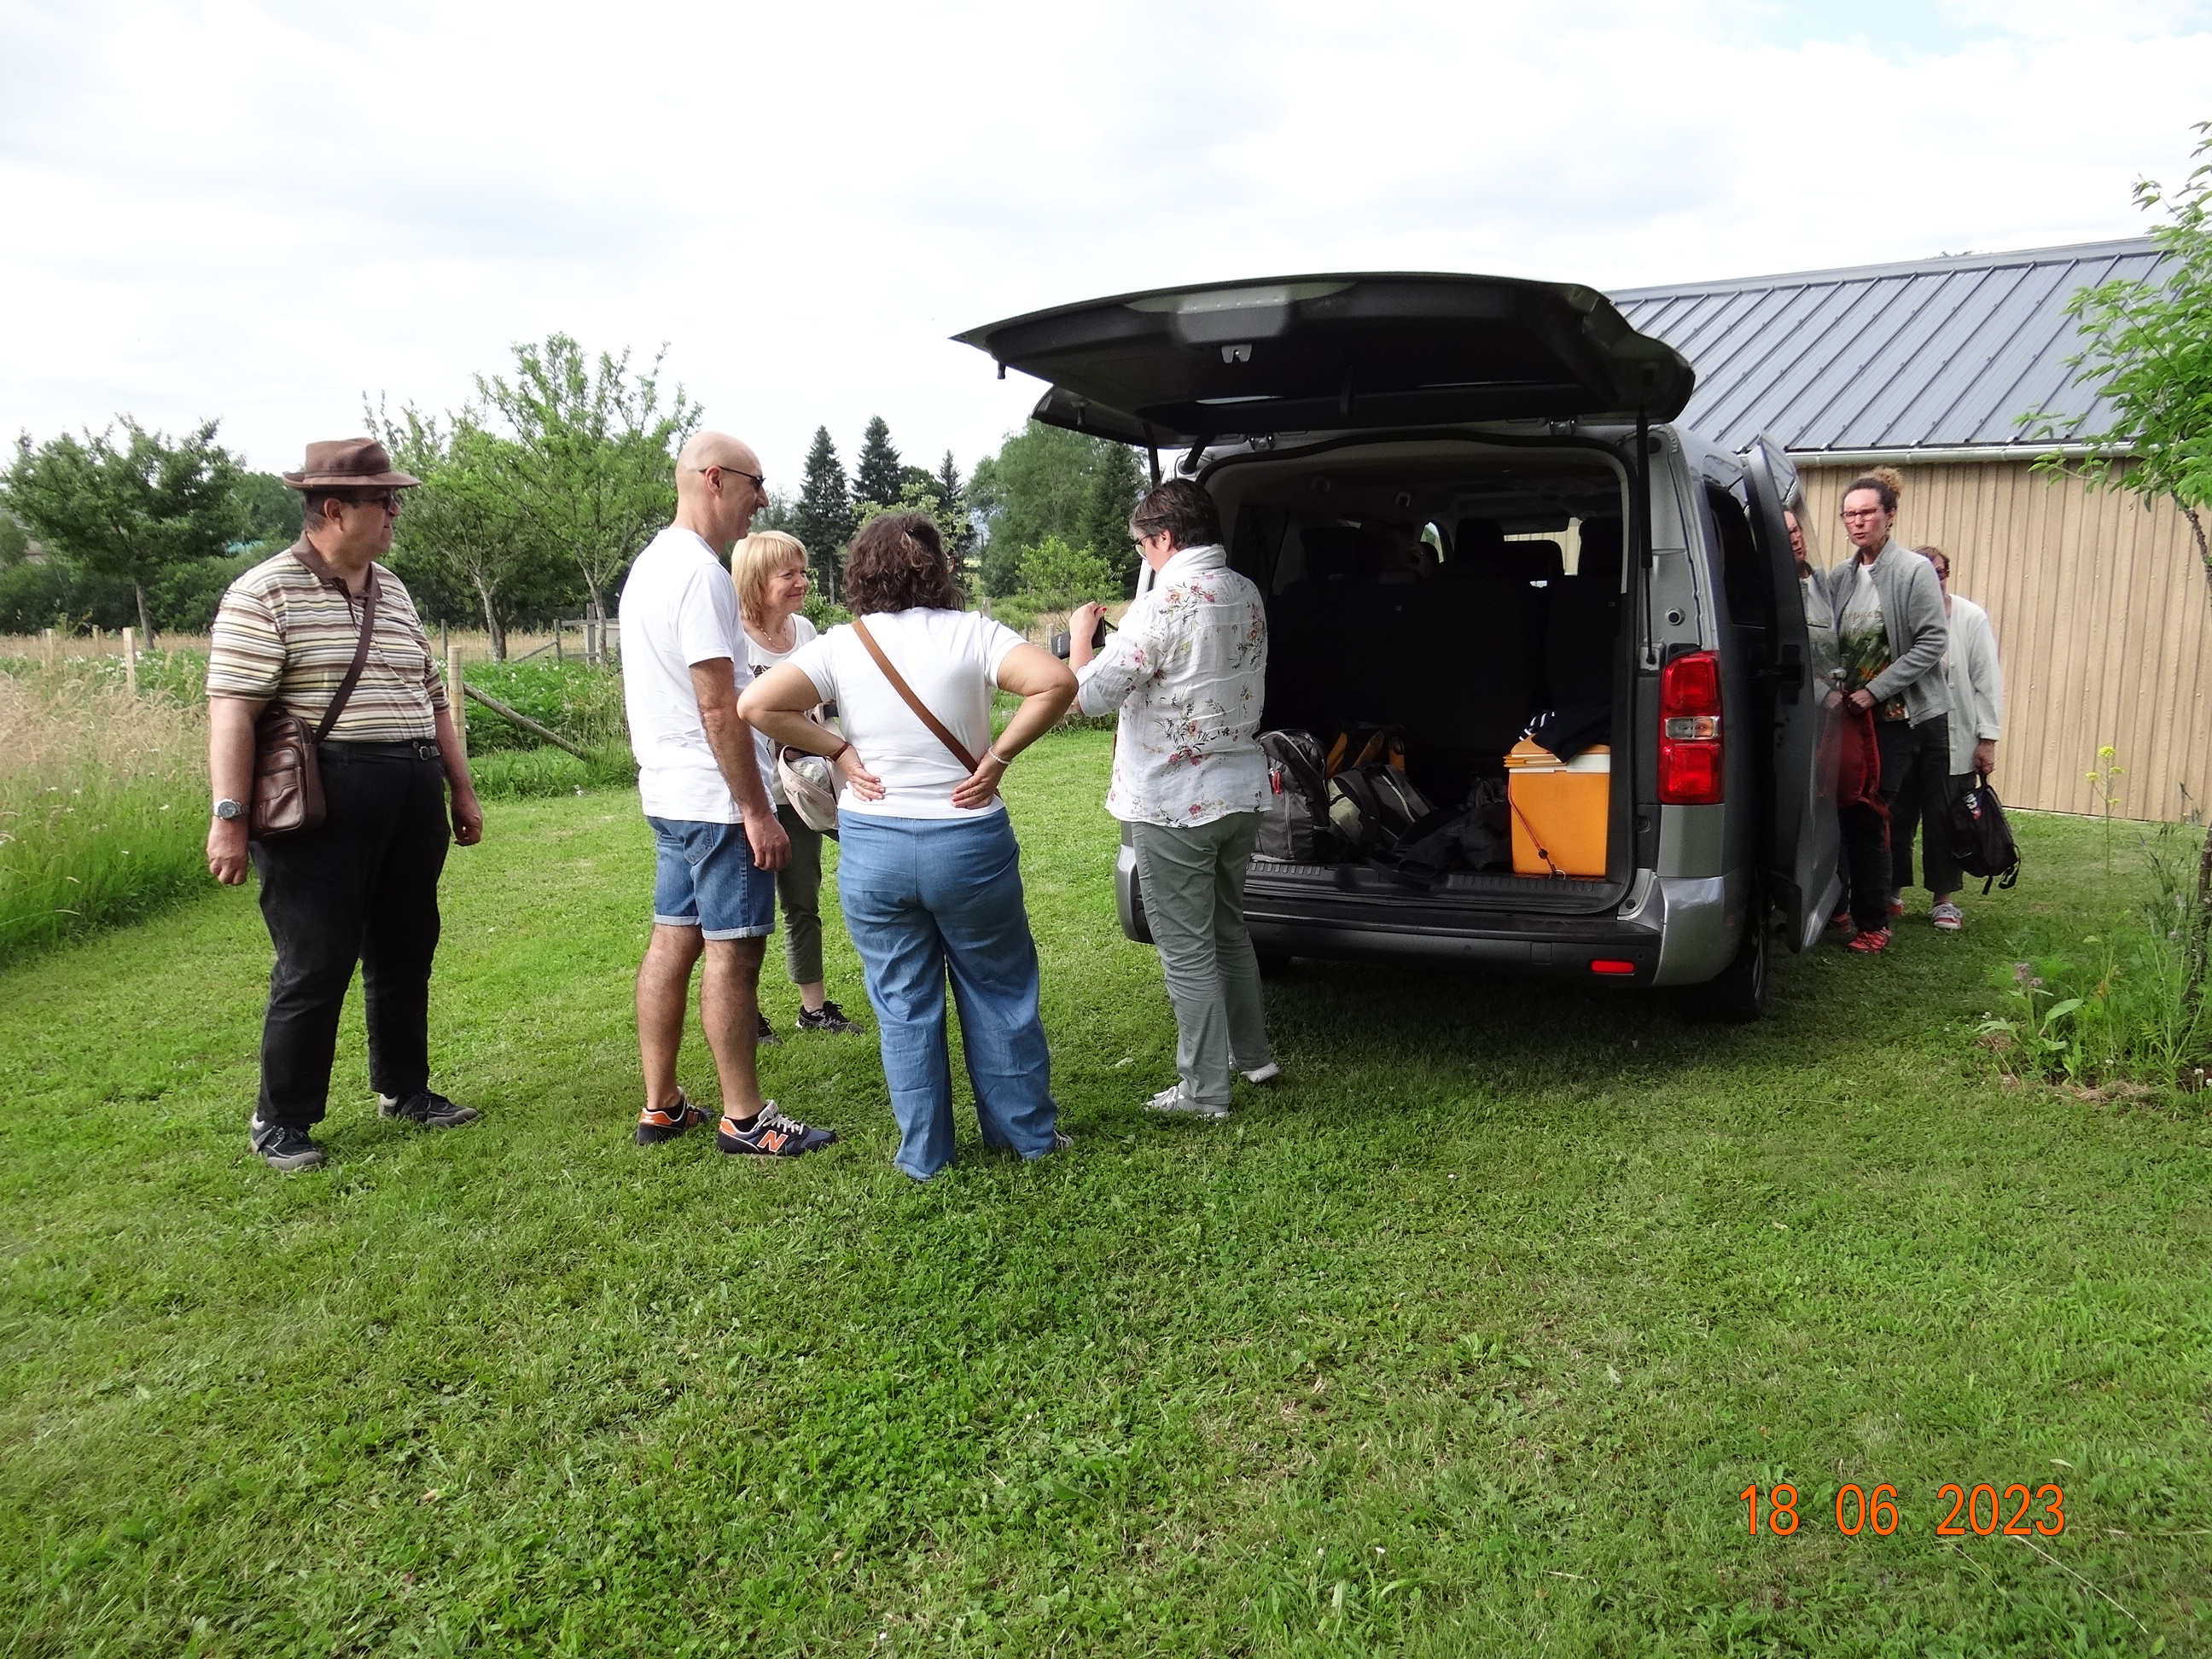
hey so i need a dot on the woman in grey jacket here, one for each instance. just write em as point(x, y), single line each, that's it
point(1891, 630)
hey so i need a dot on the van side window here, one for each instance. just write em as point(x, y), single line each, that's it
point(1743, 574)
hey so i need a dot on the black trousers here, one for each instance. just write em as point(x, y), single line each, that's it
point(1916, 781)
point(363, 888)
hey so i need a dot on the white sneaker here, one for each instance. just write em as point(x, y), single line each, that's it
point(1173, 1102)
point(1264, 1075)
point(1949, 917)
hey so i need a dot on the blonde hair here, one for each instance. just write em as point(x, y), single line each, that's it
point(759, 559)
point(1890, 475)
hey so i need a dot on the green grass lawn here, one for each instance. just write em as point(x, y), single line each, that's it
point(1464, 1341)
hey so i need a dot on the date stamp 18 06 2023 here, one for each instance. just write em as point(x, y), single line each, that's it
point(1960, 1511)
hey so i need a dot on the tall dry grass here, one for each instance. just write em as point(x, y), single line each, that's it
point(102, 796)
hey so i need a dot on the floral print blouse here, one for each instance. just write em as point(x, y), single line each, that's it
point(1188, 672)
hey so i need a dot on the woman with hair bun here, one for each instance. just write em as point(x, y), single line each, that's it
point(928, 872)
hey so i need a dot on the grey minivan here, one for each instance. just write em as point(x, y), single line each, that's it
point(1571, 549)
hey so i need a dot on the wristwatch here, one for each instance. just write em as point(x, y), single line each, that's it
point(227, 810)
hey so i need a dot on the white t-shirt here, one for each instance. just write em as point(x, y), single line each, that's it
point(762, 660)
point(678, 609)
point(950, 658)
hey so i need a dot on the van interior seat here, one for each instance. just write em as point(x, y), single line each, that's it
point(1315, 627)
point(1582, 632)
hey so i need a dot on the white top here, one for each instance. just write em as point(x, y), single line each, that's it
point(1188, 671)
point(762, 659)
point(950, 658)
point(677, 608)
point(1976, 680)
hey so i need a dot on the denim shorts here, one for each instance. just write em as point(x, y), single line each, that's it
point(706, 878)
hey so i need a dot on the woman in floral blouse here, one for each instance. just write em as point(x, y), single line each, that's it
point(1188, 672)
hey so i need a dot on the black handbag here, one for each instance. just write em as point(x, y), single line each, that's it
point(1981, 841)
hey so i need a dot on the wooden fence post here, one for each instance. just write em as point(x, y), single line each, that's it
point(454, 697)
point(46, 644)
point(130, 660)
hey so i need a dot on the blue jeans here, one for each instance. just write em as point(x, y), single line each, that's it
point(704, 877)
point(921, 896)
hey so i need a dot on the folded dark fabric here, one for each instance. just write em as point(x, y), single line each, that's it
point(1567, 732)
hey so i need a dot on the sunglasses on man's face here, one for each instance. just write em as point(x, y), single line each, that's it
point(755, 479)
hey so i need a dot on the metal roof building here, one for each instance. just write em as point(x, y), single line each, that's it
point(1907, 361)
point(2098, 598)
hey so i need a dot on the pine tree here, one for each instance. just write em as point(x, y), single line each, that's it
point(822, 517)
point(876, 478)
point(955, 500)
point(1115, 486)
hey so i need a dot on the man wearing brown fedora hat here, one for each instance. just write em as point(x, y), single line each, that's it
point(322, 631)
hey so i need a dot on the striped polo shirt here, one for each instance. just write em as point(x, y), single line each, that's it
point(286, 632)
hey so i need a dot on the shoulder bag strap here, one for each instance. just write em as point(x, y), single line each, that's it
point(360, 659)
point(898, 683)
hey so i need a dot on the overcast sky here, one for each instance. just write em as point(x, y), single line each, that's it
point(263, 211)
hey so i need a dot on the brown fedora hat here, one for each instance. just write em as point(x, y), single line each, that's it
point(349, 464)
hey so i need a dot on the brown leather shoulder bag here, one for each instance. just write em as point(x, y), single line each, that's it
point(287, 777)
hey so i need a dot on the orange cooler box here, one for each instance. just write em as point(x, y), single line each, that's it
point(1559, 810)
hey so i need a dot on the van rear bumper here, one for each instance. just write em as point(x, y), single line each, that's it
point(1671, 930)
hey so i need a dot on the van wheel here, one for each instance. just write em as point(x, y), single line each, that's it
point(1738, 994)
point(1273, 964)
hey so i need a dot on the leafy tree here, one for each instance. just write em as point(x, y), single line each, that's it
point(1056, 576)
point(876, 474)
point(131, 509)
point(2148, 351)
point(271, 508)
point(592, 461)
point(1040, 484)
point(821, 518)
point(466, 524)
point(14, 544)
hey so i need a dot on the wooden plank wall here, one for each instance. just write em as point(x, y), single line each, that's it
point(2103, 617)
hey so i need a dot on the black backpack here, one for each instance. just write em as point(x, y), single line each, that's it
point(1294, 823)
point(1981, 840)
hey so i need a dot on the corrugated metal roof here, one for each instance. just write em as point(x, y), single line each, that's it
point(1937, 354)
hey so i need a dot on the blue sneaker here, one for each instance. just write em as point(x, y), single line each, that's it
point(770, 1135)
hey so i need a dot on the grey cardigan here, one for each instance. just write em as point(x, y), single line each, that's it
point(1912, 617)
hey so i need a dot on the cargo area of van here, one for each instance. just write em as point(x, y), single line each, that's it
point(1424, 622)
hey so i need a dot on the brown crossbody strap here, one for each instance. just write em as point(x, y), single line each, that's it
point(898, 684)
point(360, 659)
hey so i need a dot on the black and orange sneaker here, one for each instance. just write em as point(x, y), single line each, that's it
point(655, 1126)
point(770, 1135)
point(1871, 942)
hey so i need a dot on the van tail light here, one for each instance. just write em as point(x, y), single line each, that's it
point(1691, 769)
point(1612, 965)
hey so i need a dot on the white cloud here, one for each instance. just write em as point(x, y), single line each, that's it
point(261, 211)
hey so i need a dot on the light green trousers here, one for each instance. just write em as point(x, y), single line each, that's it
point(1193, 892)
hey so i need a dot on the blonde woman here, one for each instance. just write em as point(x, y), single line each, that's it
point(770, 569)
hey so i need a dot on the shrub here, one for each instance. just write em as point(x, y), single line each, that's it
point(583, 704)
point(2113, 1005)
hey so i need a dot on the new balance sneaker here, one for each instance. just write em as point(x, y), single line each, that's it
point(431, 1111)
point(1841, 921)
point(1173, 1103)
point(1263, 1075)
point(828, 1017)
point(770, 1135)
point(1873, 943)
point(654, 1124)
point(282, 1146)
point(766, 1034)
point(1949, 916)
point(1061, 1140)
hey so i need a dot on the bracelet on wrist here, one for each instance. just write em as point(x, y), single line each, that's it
point(996, 756)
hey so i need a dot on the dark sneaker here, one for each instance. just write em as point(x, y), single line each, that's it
point(766, 1034)
point(655, 1126)
point(1061, 1140)
point(771, 1135)
point(282, 1146)
point(431, 1111)
point(828, 1017)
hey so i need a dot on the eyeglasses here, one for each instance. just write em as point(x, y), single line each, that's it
point(388, 500)
point(1862, 513)
point(757, 481)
